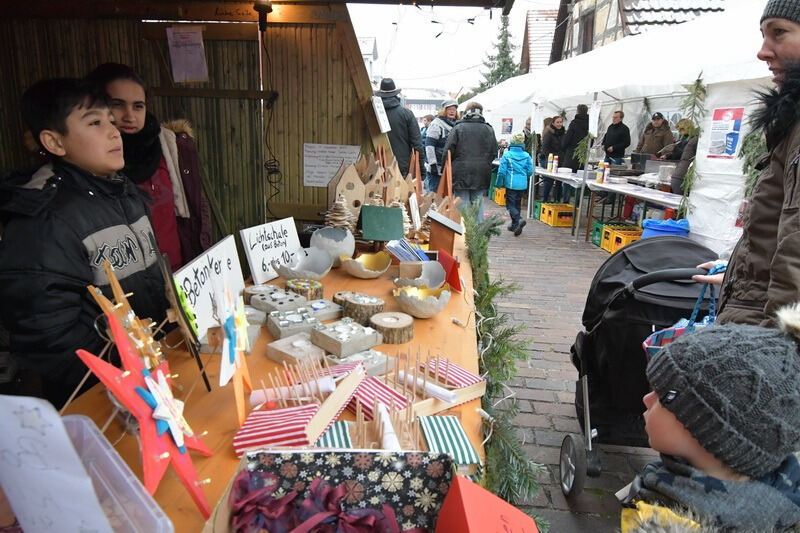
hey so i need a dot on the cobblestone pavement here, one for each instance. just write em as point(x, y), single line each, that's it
point(554, 275)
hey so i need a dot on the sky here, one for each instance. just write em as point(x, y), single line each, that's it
point(438, 47)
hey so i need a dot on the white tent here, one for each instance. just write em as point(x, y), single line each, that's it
point(720, 48)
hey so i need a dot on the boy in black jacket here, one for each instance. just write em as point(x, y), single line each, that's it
point(60, 223)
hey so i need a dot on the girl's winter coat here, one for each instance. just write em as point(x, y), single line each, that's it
point(516, 166)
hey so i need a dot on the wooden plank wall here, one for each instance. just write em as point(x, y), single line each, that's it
point(318, 100)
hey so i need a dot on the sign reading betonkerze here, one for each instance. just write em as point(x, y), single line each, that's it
point(275, 240)
point(203, 280)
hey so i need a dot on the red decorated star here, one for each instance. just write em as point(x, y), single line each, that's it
point(159, 448)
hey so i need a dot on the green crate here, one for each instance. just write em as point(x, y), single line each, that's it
point(537, 209)
point(597, 232)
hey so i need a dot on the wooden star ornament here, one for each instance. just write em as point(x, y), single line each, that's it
point(165, 435)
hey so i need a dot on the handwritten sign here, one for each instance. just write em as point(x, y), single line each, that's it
point(187, 54)
point(321, 161)
point(203, 280)
point(41, 473)
point(275, 240)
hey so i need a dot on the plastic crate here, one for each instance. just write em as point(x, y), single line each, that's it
point(597, 232)
point(622, 238)
point(537, 208)
point(557, 215)
point(606, 241)
point(500, 196)
point(127, 504)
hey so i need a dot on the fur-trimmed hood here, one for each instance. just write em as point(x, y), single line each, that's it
point(781, 107)
point(180, 126)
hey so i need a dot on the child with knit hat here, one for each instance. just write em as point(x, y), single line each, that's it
point(725, 414)
point(516, 166)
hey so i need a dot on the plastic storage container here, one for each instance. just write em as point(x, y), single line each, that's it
point(658, 228)
point(128, 506)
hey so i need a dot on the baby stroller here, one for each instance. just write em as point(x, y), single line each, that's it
point(642, 288)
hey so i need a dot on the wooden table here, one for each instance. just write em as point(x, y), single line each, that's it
point(215, 412)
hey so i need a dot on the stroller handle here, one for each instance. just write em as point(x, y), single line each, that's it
point(670, 274)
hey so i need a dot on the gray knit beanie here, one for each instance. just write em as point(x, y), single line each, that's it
point(782, 9)
point(736, 389)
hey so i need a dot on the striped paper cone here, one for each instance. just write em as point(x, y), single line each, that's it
point(373, 390)
point(445, 434)
point(278, 427)
point(457, 376)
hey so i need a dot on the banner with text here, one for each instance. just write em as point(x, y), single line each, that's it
point(203, 280)
point(275, 240)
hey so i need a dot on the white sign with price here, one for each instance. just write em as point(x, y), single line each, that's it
point(203, 280)
point(275, 240)
point(41, 474)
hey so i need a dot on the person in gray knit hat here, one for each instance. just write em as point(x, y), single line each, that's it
point(725, 414)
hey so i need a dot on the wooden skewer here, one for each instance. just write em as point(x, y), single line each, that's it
point(425, 374)
point(438, 360)
point(405, 375)
point(447, 371)
point(416, 374)
point(396, 368)
point(279, 399)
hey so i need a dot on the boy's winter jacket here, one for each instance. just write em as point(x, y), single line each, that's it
point(669, 489)
point(516, 166)
point(60, 224)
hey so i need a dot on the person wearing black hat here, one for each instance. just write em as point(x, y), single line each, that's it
point(405, 133)
point(656, 136)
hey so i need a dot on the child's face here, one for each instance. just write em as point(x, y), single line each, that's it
point(92, 141)
point(665, 433)
point(128, 105)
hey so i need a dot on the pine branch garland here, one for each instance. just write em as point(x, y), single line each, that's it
point(754, 146)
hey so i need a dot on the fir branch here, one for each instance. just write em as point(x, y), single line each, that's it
point(693, 104)
point(689, 180)
point(754, 146)
point(581, 152)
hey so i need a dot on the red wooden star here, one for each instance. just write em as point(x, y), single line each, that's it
point(158, 450)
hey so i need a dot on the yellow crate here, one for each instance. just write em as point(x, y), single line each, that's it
point(556, 215)
point(500, 196)
point(606, 242)
point(620, 239)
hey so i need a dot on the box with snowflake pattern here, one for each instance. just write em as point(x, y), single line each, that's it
point(413, 484)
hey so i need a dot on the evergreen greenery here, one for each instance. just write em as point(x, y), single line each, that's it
point(754, 146)
point(693, 104)
point(501, 64)
point(508, 473)
point(582, 150)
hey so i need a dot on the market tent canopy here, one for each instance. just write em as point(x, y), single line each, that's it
point(720, 46)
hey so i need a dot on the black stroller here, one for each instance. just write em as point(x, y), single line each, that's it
point(642, 288)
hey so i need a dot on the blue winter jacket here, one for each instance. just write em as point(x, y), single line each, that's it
point(516, 166)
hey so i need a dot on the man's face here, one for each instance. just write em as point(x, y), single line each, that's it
point(528, 123)
point(780, 47)
point(92, 141)
point(128, 105)
point(616, 118)
point(657, 122)
point(665, 433)
point(451, 111)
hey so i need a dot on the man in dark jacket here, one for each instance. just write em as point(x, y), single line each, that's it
point(616, 139)
point(578, 129)
point(473, 147)
point(61, 222)
point(404, 134)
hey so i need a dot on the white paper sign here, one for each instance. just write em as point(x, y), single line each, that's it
point(413, 208)
point(321, 161)
point(203, 280)
point(40, 471)
point(537, 120)
point(187, 53)
point(380, 114)
point(594, 117)
point(275, 240)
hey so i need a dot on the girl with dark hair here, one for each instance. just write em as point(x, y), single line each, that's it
point(162, 161)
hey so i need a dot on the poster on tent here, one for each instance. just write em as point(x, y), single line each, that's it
point(594, 117)
point(267, 242)
point(203, 280)
point(724, 138)
point(506, 126)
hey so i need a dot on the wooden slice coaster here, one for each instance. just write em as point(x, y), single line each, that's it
point(396, 328)
point(341, 296)
point(310, 288)
point(361, 307)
